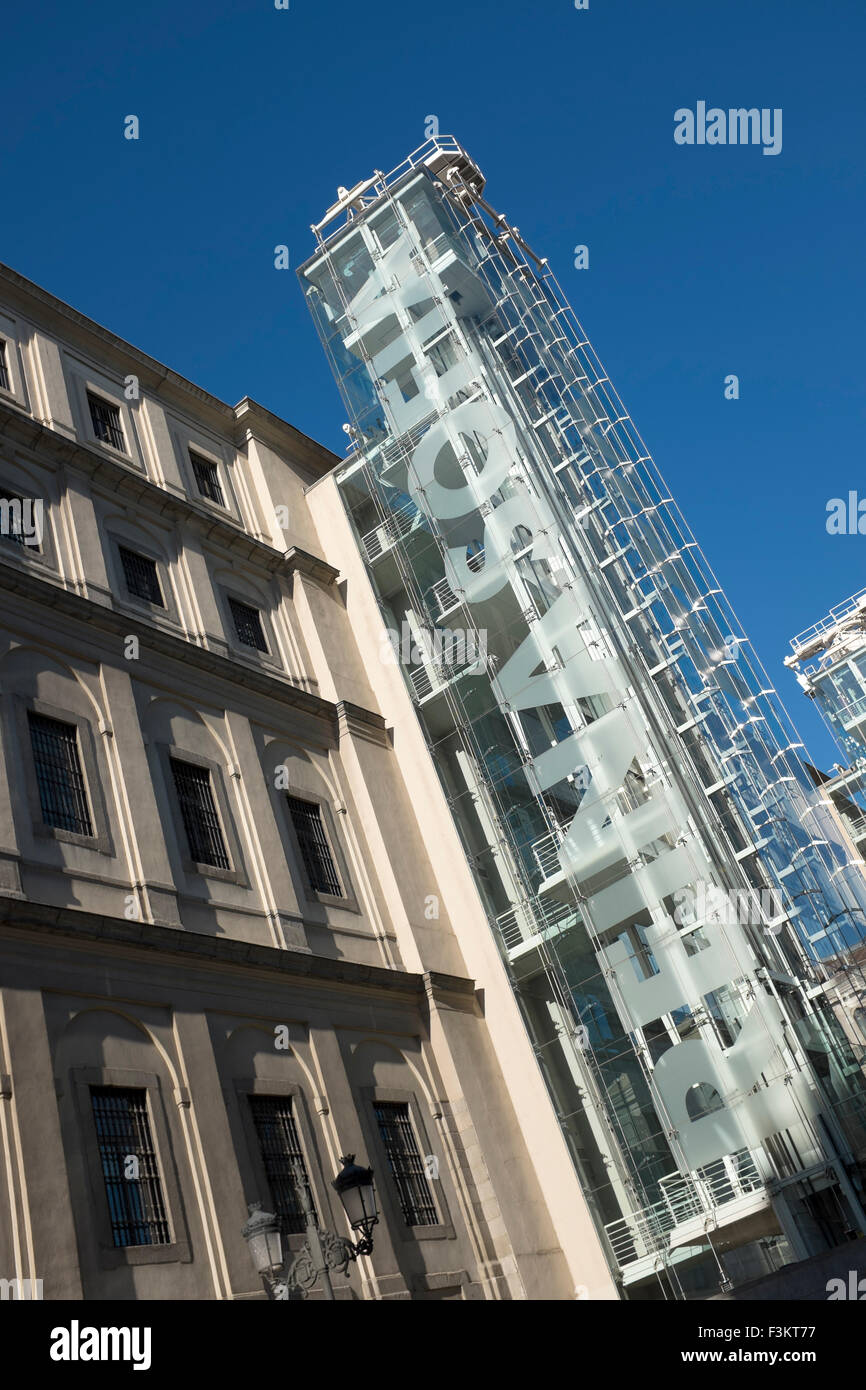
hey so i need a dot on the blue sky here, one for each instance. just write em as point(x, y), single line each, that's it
point(704, 261)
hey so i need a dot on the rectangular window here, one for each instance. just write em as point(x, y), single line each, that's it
point(406, 1163)
point(280, 1148)
point(207, 478)
point(62, 789)
point(199, 812)
point(248, 625)
point(142, 580)
point(4, 369)
point(106, 422)
point(314, 847)
point(129, 1168)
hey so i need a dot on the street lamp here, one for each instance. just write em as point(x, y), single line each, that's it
point(322, 1251)
point(354, 1187)
point(262, 1234)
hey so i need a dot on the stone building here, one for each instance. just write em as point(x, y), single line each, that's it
point(237, 922)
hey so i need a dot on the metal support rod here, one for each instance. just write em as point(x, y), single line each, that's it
point(320, 1264)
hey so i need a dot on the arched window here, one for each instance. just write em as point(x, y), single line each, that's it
point(475, 556)
point(702, 1099)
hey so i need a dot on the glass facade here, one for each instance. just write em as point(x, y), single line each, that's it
point(664, 884)
point(835, 679)
point(830, 660)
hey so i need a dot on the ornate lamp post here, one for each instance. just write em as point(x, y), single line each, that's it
point(322, 1251)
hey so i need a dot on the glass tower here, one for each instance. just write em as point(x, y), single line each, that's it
point(830, 661)
point(665, 885)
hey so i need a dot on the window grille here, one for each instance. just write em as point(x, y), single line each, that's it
point(129, 1168)
point(198, 810)
point(248, 625)
point(62, 789)
point(106, 422)
point(207, 478)
point(406, 1163)
point(140, 573)
point(314, 847)
point(280, 1148)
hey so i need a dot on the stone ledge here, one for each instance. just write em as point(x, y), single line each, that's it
point(276, 685)
point(303, 562)
point(64, 923)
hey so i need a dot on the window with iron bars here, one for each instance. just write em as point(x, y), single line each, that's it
point(199, 813)
point(314, 847)
point(207, 478)
point(4, 368)
point(140, 573)
point(106, 422)
point(136, 1207)
point(405, 1163)
point(280, 1148)
point(62, 789)
point(248, 625)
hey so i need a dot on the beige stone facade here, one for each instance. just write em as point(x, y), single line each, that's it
point(127, 965)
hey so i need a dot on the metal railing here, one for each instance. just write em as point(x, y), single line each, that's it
point(853, 713)
point(546, 853)
point(421, 678)
point(442, 599)
point(433, 676)
point(528, 920)
point(703, 1193)
point(833, 619)
point(390, 530)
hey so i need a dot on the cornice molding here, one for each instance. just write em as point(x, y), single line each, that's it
point(20, 579)
point(134, 486)
point(302, 562)
point(256, 421)
point(89, 928)
point(75, 329)
point(453, 992)
point(355, 721)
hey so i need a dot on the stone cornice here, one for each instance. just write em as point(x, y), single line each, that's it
point(134, 487)
point(450, 991)
point(256, 421)
point(25, 919)
point(303, 562)
point(354, 720)
point(46, 311)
